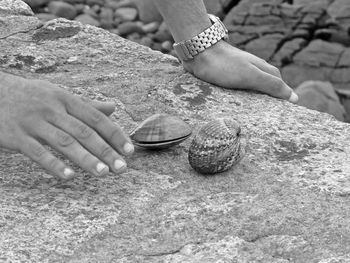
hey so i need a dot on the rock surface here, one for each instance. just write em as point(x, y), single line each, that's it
point(287, 201)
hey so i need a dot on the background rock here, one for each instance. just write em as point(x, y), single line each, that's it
point(287, 201)
point(320, 96)
point(87, 19)
point(62, 9)
point(307, 40)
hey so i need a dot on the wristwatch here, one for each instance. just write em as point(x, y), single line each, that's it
point(188, 49)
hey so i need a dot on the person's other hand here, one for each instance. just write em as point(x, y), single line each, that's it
point(230, 67)
point(36, 112)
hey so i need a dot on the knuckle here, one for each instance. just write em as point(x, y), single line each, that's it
point(37, 151)
point(95, 116)
point(85, 160)
point(277, 85)
point(50, 115)
point(275, 71)
point(52, 164)
point(83, 131)
point(115, 135)
point(71, 102)
point(106, 152)
point(64, 139)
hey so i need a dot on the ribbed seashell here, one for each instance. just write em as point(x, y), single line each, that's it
point(160, 131)
point(217, 146)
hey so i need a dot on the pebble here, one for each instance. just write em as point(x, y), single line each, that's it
point(167, 46)
point(120, 17)
point(62, 9)
point(128, 28)
point(95, 2)
point(161, 36)
point(163, 33)
point(126, 14)
point(157, 46)
point(74, 2)
point(80, 8)
point(146, 41)
point(89, 11)
point(46, 16)
point(136, 37)
point(87, 19)
point(96, 8)
point(112, 4)
point(122, 3)
point(150, 27)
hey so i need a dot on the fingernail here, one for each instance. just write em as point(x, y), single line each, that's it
point(119, 164)
point(101, 168)
point(293, 97)
point(128, 148)
point(68, 173)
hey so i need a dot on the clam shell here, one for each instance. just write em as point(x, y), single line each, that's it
point(217, 146)
point(160, 131)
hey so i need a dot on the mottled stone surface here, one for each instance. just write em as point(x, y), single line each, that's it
point(287, 201)
point(307, 40)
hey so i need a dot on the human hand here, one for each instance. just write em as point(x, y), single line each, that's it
point(230, 67)
point(36, 112)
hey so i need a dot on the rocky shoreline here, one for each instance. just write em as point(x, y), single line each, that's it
point(288, 200)
point(307, 40)
point(118, 17)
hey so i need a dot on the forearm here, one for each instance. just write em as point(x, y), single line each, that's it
point(185, 18)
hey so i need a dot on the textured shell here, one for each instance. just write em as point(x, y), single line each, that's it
point(217, 146)
point(160, 131)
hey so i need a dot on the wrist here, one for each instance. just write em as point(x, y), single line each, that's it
point(188, 49)
point(201, 61)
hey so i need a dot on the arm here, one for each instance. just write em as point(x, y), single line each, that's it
point(221, 64)
point(33, 112)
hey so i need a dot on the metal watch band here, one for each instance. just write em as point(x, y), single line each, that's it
point(187, 49)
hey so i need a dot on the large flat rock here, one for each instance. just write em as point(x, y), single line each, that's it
point(287, 201)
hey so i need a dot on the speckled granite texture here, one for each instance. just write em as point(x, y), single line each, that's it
point(287, 201)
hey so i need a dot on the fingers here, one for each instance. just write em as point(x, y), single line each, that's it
point(72, 149)
point(90, 140)
point(38, 153)
point(264, 66)
point(109, 131)
point(271, 85)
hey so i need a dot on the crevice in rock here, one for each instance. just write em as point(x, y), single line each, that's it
point(336, 66)
point(256, 238)
point(287, 38)
point(166, 253)
point(287, 61)
point(15, 33)
point(312, 29)
point(22, 32)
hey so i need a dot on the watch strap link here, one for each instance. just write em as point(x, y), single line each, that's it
point(186, 50)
